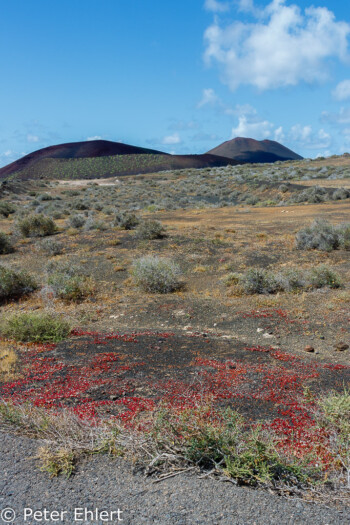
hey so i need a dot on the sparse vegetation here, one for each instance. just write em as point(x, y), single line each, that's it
point(8, 361)
point(156, 275)
point(126, 220)
point(260, 281)
point(14, 284)
point(322, 235)
point(6, 245)
point(51, 247)
point(150, 229)
point(36, 226)
point(68, 282)
point(6, 209)
point(35, 327)
point(323, 276)
point(77, 221)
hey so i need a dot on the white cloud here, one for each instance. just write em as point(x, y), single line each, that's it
point(282, 47)
point(300, 133)
point(182, 125)
point(305, 137)
point(257, 129)
point(279, 135)
point(171, 139)
point(217, 7)
point(239, 110)
point(96, 137)
point(342, 91)
point(342, 117)
point(247, 6)
point(32, 138)
point(209, 97)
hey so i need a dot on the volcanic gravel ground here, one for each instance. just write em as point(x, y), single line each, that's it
point(152, 365)
point(110, 485)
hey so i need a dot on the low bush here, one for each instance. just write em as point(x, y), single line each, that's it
point(322, 276)
point(156, 275)
point(76, 221)
point(51, 247)
point(340, 194)
point(68, 282)
point(150, 230)
point(35, 327)
point(321, 235)
point(221, 442)
point(344, 235)
point(36, 226)
point(5, 244)
point(94, 224)
point(126, 220)
point(260, 281)
point(6, 208)
point(15, 284)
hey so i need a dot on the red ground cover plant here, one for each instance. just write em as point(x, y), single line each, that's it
point(102, 385)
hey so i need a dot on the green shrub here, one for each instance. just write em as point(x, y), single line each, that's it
point(6, 208)
point(51, 247)
point(36, 226)
point(261, 281)
point(222, 442)
point(5, 244)
point(334, 417)
point(323, 276)
point(150, 230)
point(344, 236)
point(14, 284)
point(126, 220)
point(156, 275)
point(321, 235)
point(77, 221)
point(68, 282)
point(36, 327)
point(94, 224)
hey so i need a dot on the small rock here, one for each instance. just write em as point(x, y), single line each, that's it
point(260, 330)
point(341, 346)
point(268, 336)
point(309, 348)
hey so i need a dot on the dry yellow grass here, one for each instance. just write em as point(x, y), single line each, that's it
point(8, 361)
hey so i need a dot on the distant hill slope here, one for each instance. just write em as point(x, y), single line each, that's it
point(102, 158)
point(250, 150)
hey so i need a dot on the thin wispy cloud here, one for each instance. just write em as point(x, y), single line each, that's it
point(171, 139)
point(216, 7)
point(342, 91)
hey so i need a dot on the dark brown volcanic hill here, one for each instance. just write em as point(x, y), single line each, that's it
point(75, 150)
point(78, 160)
point(250, 150)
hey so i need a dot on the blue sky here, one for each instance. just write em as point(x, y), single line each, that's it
point(179, 76)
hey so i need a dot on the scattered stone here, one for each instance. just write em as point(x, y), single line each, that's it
point(259, 330)
point(341, 346)
point(113, 397)
point(309, 348)
point(268, 336)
